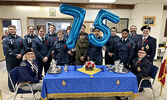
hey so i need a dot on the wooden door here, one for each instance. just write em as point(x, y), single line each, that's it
point(2, 57)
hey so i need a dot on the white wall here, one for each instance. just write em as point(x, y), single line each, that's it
point(141, 10)
point(135, 16)
point(34, 11)
point(161, 35)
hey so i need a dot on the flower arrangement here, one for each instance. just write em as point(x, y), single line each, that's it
point(89, 65)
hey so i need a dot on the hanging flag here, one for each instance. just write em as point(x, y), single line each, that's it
point(163, 69)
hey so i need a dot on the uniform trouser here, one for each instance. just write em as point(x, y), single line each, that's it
point(41, 64)
point(97, 59)
point(35, 86)
point(4, 52)
point(145, 82)
point(71, 60)
point(10, 64)
point(108, 59)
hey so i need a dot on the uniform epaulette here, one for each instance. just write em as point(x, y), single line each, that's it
point(23, 64)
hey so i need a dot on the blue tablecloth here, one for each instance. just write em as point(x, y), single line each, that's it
point(73, 84)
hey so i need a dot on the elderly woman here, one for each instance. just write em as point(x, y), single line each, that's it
point(28, 71)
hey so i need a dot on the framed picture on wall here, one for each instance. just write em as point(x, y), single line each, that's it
point(149, 20)
point(122, 24)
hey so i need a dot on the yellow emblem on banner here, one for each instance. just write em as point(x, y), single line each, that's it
point(118, 82)
point(138, 69)
point(147, 47)
point(94, 71)
point(91, 76)
point(63, 83)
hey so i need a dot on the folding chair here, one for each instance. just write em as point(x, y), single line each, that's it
point(13, 77)
point(146, 82)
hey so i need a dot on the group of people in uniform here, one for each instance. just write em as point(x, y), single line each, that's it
point(135, 51)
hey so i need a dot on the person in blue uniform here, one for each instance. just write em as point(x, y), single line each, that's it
point(134, 37)
point(147, 42)
point(42, 48)
point(6, 34)
point(124, 49)
point(28, 39)
point(71, 52)
point(67, 32)
point(60, 49)
point(13, 45)
point(141, 65)
point(29, 71)
point(51, 34)
point(109, 54)
point(133, 34)
point(94, 53)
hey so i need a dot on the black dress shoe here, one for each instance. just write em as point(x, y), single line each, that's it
point(118, 98)
point(141, 90)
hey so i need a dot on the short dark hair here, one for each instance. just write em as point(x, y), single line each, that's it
point(83, 25)
point(113, 28)
point(41, 28)
point(13, 26)
point(125, 30)
point(95, 29)
point(52, 25)
point(68, 28)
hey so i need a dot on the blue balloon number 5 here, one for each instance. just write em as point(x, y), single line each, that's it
point(78, 14)
point(103, 14)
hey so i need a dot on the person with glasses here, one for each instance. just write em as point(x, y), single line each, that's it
point(94, 53)
point(141, 65)
point(147, 42)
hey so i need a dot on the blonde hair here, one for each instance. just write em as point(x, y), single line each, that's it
point(25, 58)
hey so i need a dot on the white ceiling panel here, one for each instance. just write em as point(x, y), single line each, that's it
point(117, 2)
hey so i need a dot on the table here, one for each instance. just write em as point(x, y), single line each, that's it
point(76, 84)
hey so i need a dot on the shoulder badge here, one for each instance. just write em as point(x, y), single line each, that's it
point(138, 69)
point(23, 64)
point(147, 47)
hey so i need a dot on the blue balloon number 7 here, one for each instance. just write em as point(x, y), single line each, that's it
point(79, 14)
point(102, 14)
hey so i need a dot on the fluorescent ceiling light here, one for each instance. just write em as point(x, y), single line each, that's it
point(46, 0)
point(102, 1)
